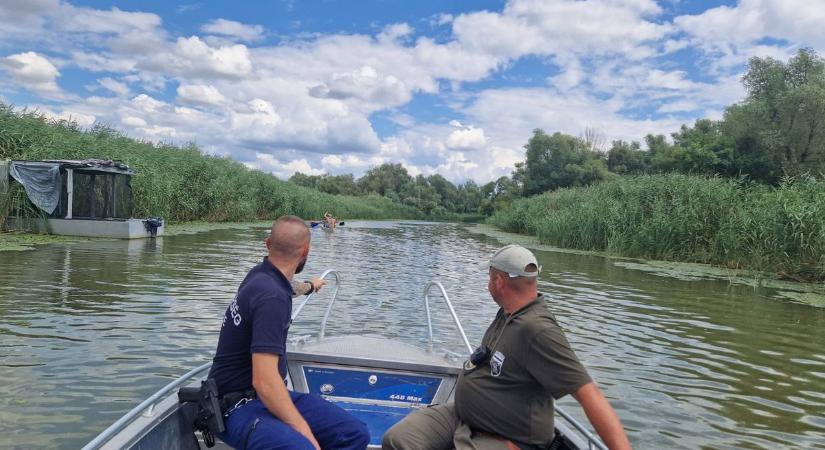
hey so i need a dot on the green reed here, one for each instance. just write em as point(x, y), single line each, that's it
point(725, 222)
point(182, 183)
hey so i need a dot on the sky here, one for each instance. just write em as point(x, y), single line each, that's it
point(452, 87)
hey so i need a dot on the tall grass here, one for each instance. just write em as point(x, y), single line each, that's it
point(182, 183)
point(686, 218)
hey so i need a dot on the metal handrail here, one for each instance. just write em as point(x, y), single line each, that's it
point(149, 404)
point(592, 441)
point(452, 311)
point(324, 275)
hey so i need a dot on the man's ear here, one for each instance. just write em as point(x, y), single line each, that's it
point(268, 242)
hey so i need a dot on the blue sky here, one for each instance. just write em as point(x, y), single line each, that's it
point(452, 87)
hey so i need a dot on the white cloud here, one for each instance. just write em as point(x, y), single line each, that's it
point(134, 122)
point(467, 139)
point(32, 71)
point(512, 114)
point(195, 58)
point(199, 94)
point(233, 29)
point(284, 169)
point(364, 84)
point(88, 20)
point(394, 32)
point(121, 89)
point(678, 106)
point(735, 32)
point(548, 27)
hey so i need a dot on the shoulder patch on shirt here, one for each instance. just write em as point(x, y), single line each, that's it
point(496, 363)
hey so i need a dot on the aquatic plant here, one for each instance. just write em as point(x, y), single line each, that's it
point(725, 222)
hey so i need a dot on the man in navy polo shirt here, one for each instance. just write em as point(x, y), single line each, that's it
point(252, 354)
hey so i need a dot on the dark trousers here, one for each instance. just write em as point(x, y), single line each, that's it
point(253, 427)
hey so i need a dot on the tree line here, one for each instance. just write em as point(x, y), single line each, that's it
point(777, 131)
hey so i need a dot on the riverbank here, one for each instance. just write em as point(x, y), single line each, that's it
point(21, 241)
point(778, 231)
point(812, 294)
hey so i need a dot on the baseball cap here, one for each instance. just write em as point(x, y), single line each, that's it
point(514, 260)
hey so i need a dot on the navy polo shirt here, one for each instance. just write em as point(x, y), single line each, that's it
point(256, 321)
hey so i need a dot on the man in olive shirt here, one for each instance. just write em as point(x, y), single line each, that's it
point(505, 394)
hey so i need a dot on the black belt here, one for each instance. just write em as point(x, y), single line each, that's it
point(230, 400)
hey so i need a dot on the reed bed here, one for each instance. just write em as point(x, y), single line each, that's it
point(182, 183)
point(724, 222)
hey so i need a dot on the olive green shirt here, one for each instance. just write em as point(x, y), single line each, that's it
point(531, 363)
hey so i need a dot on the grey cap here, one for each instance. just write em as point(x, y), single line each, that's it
point(514, 260)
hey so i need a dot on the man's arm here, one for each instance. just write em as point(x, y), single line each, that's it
point(602, 417)
point(273, 393)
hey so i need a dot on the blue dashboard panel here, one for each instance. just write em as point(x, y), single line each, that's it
point(372, 385)
point(378, 418)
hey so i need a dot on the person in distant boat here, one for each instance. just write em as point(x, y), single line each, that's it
point(329, 220)
point(505, 393)
point(250, 364)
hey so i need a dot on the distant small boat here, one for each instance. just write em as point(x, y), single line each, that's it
point(324, 225)
point(377, 379)
point(89, 197)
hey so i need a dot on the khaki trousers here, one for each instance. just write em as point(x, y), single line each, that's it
point(438, 428)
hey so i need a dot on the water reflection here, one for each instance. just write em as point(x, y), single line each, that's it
point(90, 329)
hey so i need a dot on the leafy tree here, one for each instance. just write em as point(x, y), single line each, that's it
point(496, 194)
point(694, 150)
point(468, 197)
point(446, 191)
point(627, 158)
point(558, 161)
point(421, 195)
point(779, 129)
point(385, 179)
point(310, 181)
point(338, 184)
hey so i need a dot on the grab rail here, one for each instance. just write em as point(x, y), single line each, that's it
point(329, 306)
point(148, 405)
point(592, 441)
point(452, 311)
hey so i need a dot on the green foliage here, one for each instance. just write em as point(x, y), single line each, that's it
point(558, 161)
point(385, 180)
point(779, 129)
point(498, 194)
point(627, 158)
point(331, 184)
point(181, 183)
point(702, 219)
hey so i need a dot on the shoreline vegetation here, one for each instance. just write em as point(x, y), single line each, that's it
point(729, 223)
point(807, 293)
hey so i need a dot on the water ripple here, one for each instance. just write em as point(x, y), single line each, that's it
point(88, 330)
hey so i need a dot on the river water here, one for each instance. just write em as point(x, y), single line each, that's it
point(87, 330)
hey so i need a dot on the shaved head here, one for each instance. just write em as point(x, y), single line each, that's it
point(288, 238)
